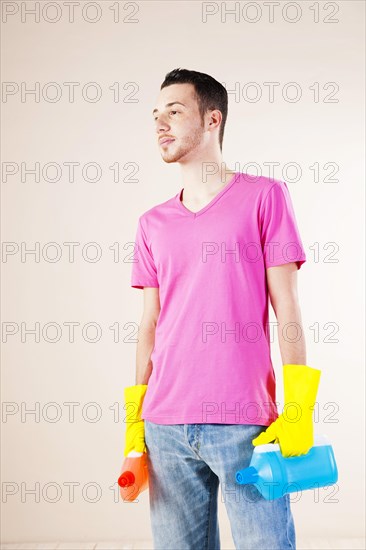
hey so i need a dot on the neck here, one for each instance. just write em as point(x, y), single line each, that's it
point(202, 179)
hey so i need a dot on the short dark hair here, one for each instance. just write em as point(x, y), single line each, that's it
point(210, 94)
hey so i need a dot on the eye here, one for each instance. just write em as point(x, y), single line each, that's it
point(155, 118)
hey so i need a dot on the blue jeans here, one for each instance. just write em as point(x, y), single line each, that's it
point(186, 464)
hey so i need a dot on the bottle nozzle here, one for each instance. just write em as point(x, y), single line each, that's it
point(248, 475)
point(126, 479)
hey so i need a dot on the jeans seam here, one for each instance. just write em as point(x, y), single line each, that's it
point(288, 520)
point(208, 512)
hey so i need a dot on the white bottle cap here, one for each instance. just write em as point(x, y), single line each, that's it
point(134, 454)
point(273, 447)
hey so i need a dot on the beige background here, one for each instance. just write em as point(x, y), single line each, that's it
point(165, 35)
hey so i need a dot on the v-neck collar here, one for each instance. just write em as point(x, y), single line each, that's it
point(188, 212)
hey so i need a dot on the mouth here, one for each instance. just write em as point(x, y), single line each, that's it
point(165, 142)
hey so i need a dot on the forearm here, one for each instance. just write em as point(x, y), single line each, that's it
point(291, 336)
point(145, 346)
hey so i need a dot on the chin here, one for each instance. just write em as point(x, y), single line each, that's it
point(169, 160)
point(170, 157)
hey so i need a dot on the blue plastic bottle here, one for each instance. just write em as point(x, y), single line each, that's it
point(274, 476)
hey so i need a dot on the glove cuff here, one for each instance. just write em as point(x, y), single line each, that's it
point(134, 395)
point(301, 384)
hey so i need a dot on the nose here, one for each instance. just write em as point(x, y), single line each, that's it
point(161, 125)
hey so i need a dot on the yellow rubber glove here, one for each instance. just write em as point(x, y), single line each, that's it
point(135, 426)
point(293, 430)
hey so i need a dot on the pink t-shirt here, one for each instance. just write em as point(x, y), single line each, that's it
point(211, 359)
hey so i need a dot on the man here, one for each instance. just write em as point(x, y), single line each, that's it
point(208, 259)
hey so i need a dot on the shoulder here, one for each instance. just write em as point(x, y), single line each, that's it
point(157, 212)
point(261, 184)
point(258, 189)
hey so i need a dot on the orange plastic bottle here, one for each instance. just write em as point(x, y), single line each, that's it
point(134, 477)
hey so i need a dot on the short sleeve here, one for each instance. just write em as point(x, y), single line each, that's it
point(280, 237)
point(144, 271)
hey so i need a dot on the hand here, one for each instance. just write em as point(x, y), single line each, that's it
point(293, 430)
point(135, 426)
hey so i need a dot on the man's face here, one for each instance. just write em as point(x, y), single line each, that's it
point(180, 123)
